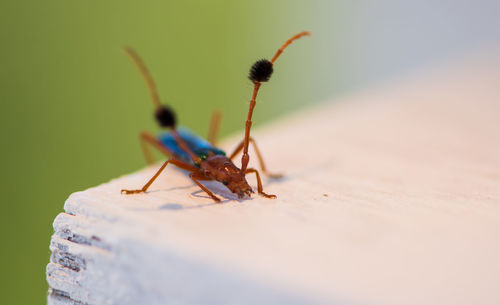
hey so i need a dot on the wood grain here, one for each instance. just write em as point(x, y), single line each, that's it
point(390, 196)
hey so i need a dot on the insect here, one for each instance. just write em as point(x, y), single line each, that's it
point(200, 157)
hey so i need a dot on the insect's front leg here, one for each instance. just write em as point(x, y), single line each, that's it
point(197, 176)
point(239, 148)
point(260, 189)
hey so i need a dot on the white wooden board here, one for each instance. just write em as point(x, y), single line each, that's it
point(390, 196)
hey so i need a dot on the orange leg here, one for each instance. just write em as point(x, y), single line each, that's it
point(260, 190)
point(148, 184)
point(214, 127)
point(196, 177)
point(148, 140)
point(259, 157)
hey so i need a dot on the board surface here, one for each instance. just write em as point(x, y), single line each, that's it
point(390, 196)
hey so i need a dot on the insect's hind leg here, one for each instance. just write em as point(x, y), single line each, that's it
point(213, 129)
point(147, 140)
point(260, 189)
point(175, 162)
point(239, 148)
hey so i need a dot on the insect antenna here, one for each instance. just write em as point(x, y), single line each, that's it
point(260, 72)
point(136, 59)
point(288, 42)
point(164, 115)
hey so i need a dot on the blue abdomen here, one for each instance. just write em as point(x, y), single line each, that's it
point(197, 144)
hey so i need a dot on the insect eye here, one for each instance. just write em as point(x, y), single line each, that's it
point(225, 182)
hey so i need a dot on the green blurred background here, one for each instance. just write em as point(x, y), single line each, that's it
point(73, 104)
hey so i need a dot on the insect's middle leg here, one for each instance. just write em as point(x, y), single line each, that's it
point(239, 148)
point(175, 162)
point(260, 189)
point(148, 140)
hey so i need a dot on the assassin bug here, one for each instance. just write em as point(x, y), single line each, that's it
point(202, 158)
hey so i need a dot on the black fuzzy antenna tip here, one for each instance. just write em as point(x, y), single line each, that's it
point(166, 117)
point(261, 71)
